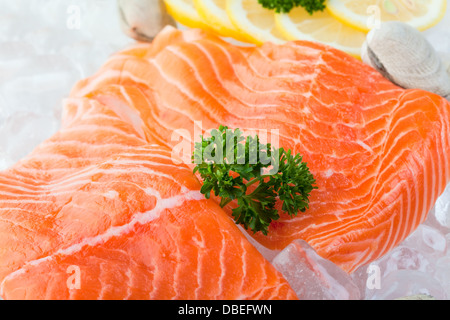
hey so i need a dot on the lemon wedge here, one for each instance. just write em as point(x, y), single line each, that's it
point(184, 12)
point(254, 22)
point(367, 14)
point(214, 13)
point(322, 27)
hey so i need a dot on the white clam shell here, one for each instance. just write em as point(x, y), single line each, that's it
point(403, 55)
point(143, 19)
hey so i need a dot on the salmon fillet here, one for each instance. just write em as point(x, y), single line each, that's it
point(98, 212)
point(377, 151)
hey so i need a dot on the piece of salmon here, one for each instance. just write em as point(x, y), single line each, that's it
point(98, 212)
point(379, 153)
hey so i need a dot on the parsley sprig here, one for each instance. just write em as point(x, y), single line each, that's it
point(285, 6)
point(230, 163)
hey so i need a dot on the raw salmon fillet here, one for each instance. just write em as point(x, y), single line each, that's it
point(379, 153)
point(97, 212)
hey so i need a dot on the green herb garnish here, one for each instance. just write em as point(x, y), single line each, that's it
point(285, 6)
point(229, 164)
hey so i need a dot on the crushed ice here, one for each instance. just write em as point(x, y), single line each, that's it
point(47, 45)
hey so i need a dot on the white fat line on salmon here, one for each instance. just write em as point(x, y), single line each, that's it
point(373, 254)
point(56, 157)
point(347, 225)
point(410, 211)
point(20, 225)
point(33, 211)
point(92, 111)
point(212, 93)
point(21, 201)
point(218, 75)
point(104, 76)
point(144, 163)
point(110, 194)
point(131, 112)
point(23, 183)
point(129, 284)
point(110, 130)
point(74, 143)
point(81, 106)
point(122, 150)
point(402, 222)
point(178, 83)
point(206, 109)
point(142, 218)
point(77, 178)
point(291, 76)
point(112, 171)
point(360, 258)
point(95, 116)
point(148, 153)
point(200, 257)
point(387, 165)
point(385, 101)
point(18, 189)
point(365, 146)
point(187, 95)
point(244, 267)
point(262, 53)
point(388, 225)
point(223, 266)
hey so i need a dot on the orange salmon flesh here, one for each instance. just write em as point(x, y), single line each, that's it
point(104, 199)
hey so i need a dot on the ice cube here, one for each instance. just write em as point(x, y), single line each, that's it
point(427, 240)
point(442, 273)
point(442, 208)
point(267, 253)
point(369, 278)
point(432, 221)
point(359, 278)
point(404, 258)
point(404, 283)
point(400, 258)
point(313, 277)
point(22, 132)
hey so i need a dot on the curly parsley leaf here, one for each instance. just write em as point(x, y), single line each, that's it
point(285, 6)
point(230, 163)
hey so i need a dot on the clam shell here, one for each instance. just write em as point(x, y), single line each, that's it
point(143, 19)
point(403, 55)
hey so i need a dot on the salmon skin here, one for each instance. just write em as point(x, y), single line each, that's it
point(98, 212)
point(379, 153)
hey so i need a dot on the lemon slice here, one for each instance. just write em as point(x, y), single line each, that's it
point(184, 12)
point(253, 21)
point(320, 27)
point(367, 14)
point(214, 13)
